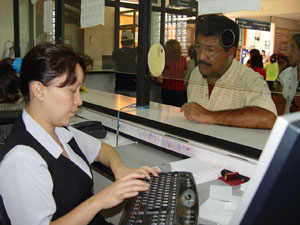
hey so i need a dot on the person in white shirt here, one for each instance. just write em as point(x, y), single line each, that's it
point(45, 166)
point(289, 78)
point(221, 90)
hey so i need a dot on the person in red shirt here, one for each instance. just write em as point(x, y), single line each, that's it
point(173, 90)
point(257, 65)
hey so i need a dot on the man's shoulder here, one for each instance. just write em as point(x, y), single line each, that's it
point(240, 70)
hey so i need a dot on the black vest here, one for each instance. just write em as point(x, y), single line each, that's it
point(71, 185)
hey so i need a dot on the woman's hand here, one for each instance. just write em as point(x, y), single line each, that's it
point(144, 170)
point(126, 187)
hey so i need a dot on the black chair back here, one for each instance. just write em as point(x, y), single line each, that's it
point(4, 219)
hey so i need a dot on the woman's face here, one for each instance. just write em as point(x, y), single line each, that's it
point(294, 53)
point(282, 64)
point(61, 103)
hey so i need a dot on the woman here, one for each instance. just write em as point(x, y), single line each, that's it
point(283, 63)
point(10, 96)
point(44, 171)
point(272, 71)
point(257, 65)
point(172, 89)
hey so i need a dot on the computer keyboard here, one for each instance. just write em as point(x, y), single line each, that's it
point(170, 200)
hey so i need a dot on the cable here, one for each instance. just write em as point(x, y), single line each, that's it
point(131, 106)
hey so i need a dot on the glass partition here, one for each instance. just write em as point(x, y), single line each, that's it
point(26, 38)
point(171, 21)
point(44, 21)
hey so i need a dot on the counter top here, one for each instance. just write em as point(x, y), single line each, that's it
point(161, 115)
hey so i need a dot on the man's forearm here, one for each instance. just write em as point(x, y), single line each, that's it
point(249, 117)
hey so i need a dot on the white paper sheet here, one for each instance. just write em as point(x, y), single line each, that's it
point(218, 211)
point(224, 6)
point(221, 193)
point(92, 13)
point(201, 170)
point(48, 14)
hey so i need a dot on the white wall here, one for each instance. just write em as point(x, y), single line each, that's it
point(270, 8)
point(6, 23)
point(99, 40)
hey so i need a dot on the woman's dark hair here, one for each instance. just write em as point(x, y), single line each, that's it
point(285, 58)
point(254, 51)
point(256, 61)
point(172, 49)
point(214, 25)
point(9, 82)
point(296, 38)
point(46, 62)
point(193, 54)
point(273, 58)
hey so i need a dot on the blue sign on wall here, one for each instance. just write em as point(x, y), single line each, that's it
point(253, 24)
point(184, 3)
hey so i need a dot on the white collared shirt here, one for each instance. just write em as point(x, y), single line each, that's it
point(25, 181)
point(289, 82)
point(239, 87)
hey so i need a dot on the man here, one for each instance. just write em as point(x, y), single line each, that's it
point(125, 59)
point(221, 90)
point(289, 79)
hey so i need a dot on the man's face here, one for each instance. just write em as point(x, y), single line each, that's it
point(213, 60)
point(293, 53)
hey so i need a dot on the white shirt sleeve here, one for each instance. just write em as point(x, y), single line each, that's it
point(27, 191)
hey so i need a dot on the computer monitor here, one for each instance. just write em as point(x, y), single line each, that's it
point(273, 192)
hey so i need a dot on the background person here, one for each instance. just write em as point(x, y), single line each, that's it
point(11, 101)
point(253, 52)
point(191, 64)
point(257, 65)
point(172, 88)
point(125, 59)
point(272, 71)
point(289, 79)
point(10, 96)
point(283, 63)
point(221, 90)
point(45, 166)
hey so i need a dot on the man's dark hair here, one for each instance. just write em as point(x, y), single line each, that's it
point(214, 25)
point(127, 43)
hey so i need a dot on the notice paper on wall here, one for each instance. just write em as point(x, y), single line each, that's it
point(92, 13)
point(225, 6)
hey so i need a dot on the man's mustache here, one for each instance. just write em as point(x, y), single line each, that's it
point(204, 63)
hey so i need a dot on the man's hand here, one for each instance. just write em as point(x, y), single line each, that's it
point(194, 111)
